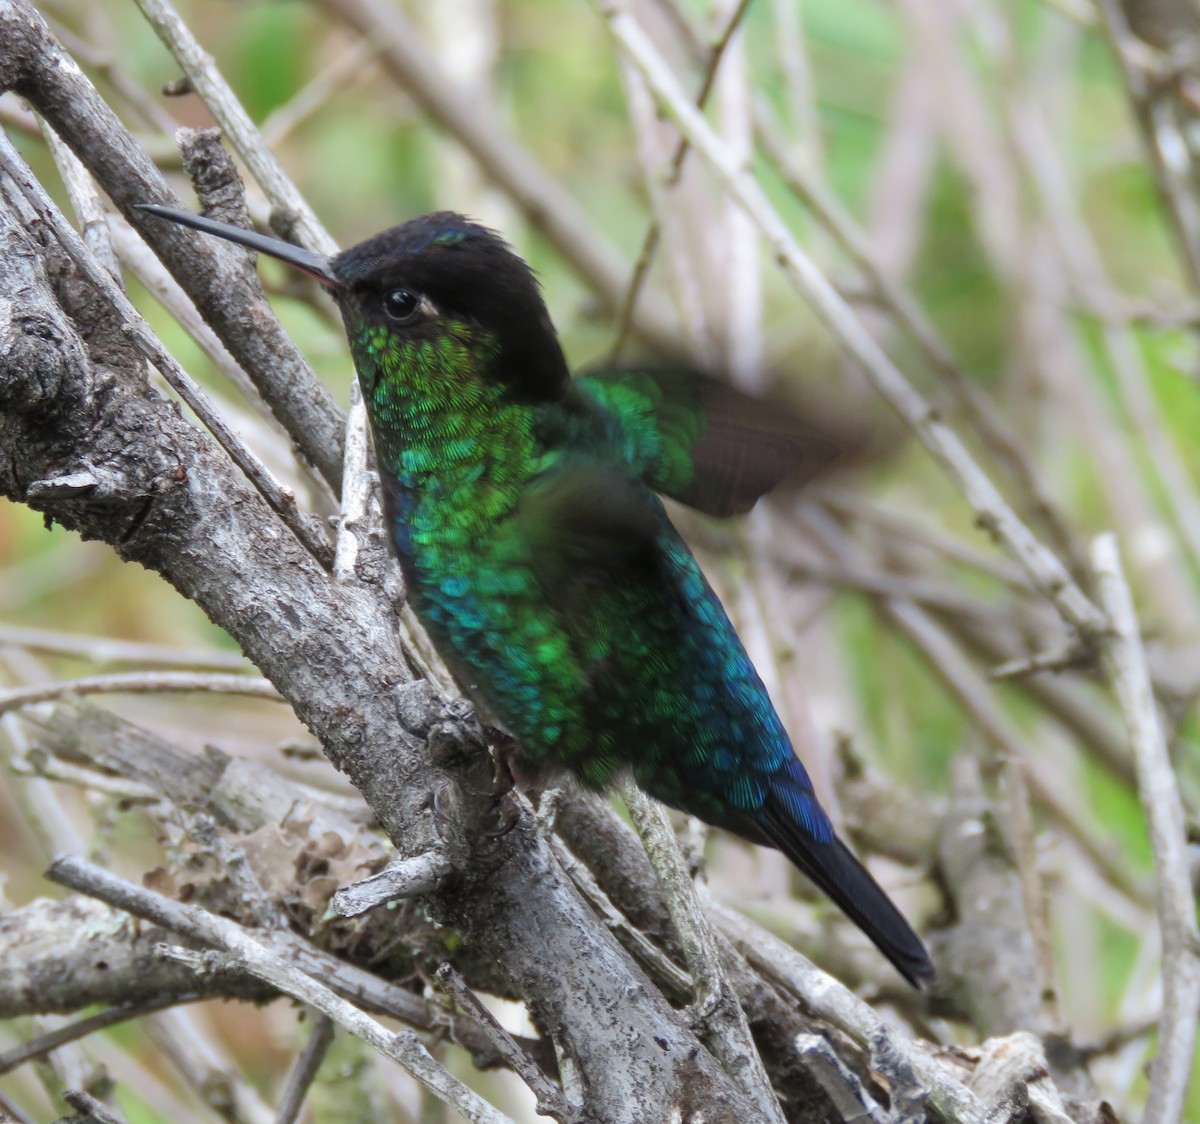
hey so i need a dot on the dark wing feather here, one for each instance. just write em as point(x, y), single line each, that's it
point(587, 522)
point(748, 448)
point(702, 442)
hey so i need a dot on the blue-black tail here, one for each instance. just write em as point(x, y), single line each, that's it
point(831, 866)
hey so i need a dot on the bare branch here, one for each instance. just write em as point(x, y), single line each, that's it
point(992, 512)
point(1174, 898)
point(141, 683)
point(304, 1071)
point(402, 1046)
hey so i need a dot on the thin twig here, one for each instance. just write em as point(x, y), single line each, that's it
point(186, 1041)
point(38, 765)
point(52, 826)
point(163, 1099)
point(81, 1028)
point(683, 256)
point(347, 69)
point(741, 326)
point(976, 695)
point(653, 234)
point(716, 1007)
point(252, 956)
point(1175, 900)
point(85, 201)
point(802, 177)
point(479, 129)
point(146, 105)
point(895, 525)
point(992, 512)
point(1017, 764)
point(235, 122)
point(795, 66)
point(141, 683)
point(1083, 264)
point(931, 593)
point(827, 999)
point(550, 1099)
point(661, 968)
point(92, 1111)
point(138, 258)
point(14, 1111)
point(675, 881)
point(1150, 111)
point(105, 649)
point(353, 518)
point(304, 1072)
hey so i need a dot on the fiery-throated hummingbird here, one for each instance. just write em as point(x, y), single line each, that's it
point(521, 504)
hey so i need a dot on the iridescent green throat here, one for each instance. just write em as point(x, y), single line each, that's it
point(451, 437)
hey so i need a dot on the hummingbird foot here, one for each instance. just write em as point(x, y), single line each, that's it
point(506, 813)
point(504, 747)
point(518, 781)
point(504, 781)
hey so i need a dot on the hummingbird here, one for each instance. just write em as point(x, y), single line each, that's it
point(523, 507)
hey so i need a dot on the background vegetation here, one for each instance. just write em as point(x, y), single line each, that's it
point(991, 159)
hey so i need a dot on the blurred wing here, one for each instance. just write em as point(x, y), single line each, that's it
point(586, 523)
point(703, 443)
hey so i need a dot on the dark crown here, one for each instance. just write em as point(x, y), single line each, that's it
point(468, 272)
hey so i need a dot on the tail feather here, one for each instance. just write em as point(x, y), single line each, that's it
point(832, 867)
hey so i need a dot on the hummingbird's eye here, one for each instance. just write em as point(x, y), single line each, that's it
point(401, 305)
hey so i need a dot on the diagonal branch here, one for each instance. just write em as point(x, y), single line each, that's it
point(992, 512)
point(254, 957)
point(34, 65)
